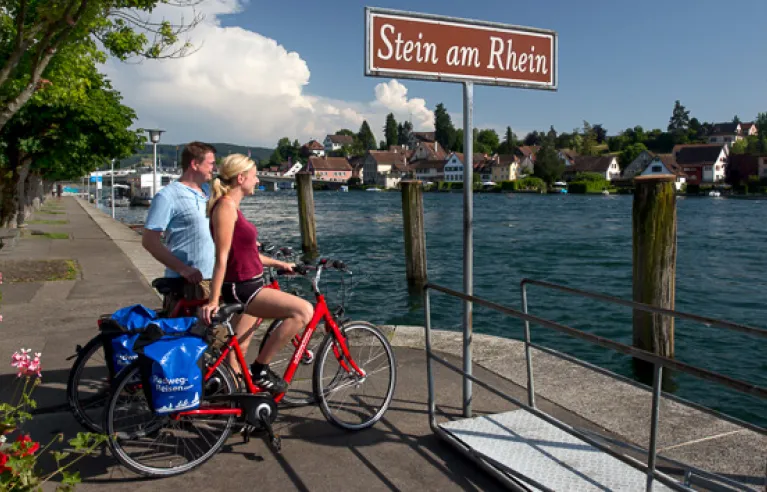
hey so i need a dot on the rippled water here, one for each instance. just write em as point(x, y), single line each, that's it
point(579, 241)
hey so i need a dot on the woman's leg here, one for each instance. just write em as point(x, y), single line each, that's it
point(244, 327)
point(295, 312)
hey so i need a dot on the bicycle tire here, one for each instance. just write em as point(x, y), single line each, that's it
point(73, 382)
point(320, 389)
point(121, 456)
point(294, 396)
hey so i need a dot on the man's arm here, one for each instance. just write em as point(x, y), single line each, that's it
point(152, 242)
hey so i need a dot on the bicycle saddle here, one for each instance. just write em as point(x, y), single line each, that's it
point(225, 311)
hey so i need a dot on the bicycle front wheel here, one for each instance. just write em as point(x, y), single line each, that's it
point(347, 399)
point(158, 446)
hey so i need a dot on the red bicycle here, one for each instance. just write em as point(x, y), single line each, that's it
point(353, 356)
point(89, 378)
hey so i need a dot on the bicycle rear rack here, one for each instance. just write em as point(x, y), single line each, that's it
point(528, 449)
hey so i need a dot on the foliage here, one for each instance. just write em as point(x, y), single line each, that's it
point(19, 454)
point(486, 141)
point(600, 133)
point(548, 166)
point(285, 151)
point(629, 153)
point(391, 132)
point(443, 128)
point(509, 143)
point(533, 138)
point(680, 119)
point(36, 32)
point(404, 132)
point(739, 147)
point(367, 141)
point(586, 183)
point(589, 142)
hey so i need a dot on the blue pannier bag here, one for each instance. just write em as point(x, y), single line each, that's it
point(172, 369)
point(118, 343)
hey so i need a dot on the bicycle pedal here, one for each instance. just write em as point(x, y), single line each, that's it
point(276, 443)
point(245, 435)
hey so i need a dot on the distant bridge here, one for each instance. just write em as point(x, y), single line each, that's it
point(273, 183)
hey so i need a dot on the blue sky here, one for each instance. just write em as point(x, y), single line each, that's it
point(620, 64)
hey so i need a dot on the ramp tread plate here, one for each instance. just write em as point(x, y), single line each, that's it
point(542, 452)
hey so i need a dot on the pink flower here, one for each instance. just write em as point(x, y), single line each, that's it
point(1, 277)
point(26, 366)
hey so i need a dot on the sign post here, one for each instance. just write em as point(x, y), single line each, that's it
point(418, 46)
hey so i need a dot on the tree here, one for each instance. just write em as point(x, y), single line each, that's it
point(533, 138)
point(345, 131)
point(443, 128)
point(548, 166)
point(391, 131)
point(66, 136)
point(680, 119)
point(552, 134)
point(34, 32)
point(696, 129)
point(509, 142)
point(736, 119)
point(366, 138)
point(630, 153)
point(589, 143)
point(404, 133)
point(739, 147)
point(486, 141)
point(382, 145)
point(600, 133)
point(458, 145)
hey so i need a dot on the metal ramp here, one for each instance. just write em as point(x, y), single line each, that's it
point(528, 449)
point(543, 456)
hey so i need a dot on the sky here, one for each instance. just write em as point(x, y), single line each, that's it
point(264, 70)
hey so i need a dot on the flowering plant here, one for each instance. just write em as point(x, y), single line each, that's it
point(18, 452)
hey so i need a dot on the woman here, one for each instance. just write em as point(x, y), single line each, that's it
point(238, 271)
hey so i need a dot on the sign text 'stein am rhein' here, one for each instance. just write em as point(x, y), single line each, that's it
point(427, 47)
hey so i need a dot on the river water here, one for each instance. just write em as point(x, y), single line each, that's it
point(579, 241)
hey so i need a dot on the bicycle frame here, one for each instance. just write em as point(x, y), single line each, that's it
point(321, 313)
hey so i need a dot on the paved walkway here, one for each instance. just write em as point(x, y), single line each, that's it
point(400, 453)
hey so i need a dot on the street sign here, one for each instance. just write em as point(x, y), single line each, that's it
point(97, 179)
point(429, 47)
point(409, 45)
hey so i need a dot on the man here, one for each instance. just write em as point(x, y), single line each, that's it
point(179, 211)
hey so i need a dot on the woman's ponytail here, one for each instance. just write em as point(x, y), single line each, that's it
point(230, 168)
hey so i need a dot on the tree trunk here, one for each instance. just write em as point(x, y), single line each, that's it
point(9, 188)
point(22, 187)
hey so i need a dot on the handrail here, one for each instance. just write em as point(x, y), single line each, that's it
point(649, 308)
point(736, 384)
point(659, 363)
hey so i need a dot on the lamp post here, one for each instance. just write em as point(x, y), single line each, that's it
point(113, 188)
point(154, 136)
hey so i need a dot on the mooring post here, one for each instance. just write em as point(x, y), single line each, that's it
point(413, 229)
point(654, 264)
point(306, 212)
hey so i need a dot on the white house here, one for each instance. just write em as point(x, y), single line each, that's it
point(426, 151)
point(725, 133)
point(336, 142)
point(526, 155)
point(313, 147)
point(666, 164)
point(638, 165)
point(454, 168)
point(606, 165)
point(430, 170)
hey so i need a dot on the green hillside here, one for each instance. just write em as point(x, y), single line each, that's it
point(167, 153)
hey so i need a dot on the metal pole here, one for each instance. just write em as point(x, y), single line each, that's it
point(656, 387)
point(154, 168)
point(528, 352)
point(429, 374)
point(113, 188)
point(468, 247)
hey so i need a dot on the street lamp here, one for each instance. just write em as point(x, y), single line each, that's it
point(154, 136)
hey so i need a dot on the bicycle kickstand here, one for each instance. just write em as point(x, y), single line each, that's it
point(275, 441)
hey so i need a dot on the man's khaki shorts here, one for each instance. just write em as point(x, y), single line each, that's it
point(191, 293)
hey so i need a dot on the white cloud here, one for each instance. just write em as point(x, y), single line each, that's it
point(242, 87)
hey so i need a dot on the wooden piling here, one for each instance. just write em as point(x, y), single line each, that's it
point(654, 263)
point(306, 212)
point(413, 229)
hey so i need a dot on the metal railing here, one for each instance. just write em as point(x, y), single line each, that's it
point(658, 362)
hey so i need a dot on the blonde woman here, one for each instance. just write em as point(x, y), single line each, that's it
point(238, 271)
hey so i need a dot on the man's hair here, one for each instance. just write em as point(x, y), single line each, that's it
point(195, 151)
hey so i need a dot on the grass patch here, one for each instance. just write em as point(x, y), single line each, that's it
point(48, 221)
point(15, 271)
point(45, 235)
point(50, 212)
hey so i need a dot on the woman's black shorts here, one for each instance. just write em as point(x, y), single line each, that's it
point(242, 292)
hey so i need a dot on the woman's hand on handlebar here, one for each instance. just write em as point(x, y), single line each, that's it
point(207, 311)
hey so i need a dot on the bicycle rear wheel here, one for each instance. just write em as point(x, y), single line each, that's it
point(300, 391)
point(88, 385)
point(338, 389)
point(158, 446)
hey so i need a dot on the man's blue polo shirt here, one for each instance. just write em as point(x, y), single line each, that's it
point(180, 211)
